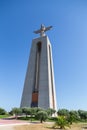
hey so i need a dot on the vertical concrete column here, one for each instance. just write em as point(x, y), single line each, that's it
point(40, 76)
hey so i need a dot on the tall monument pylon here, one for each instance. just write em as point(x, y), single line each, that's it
point(39, 85)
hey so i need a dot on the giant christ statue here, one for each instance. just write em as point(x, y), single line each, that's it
point(39, 85)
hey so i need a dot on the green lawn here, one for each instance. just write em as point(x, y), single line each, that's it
point(4, 116)
point(52, 119)
point(27, 118)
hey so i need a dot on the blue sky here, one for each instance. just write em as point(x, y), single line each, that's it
point(18, 20)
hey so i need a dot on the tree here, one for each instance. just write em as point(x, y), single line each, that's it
point(61, 122)
point(63, 112)
point(73, 116)
point(16, 111)
point(33, 111)
point(2, 111)
point(82, 114)
point(42, 115)
point(26, 111)
point(50, 111)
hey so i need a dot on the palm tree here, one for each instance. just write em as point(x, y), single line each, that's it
point(61, 122)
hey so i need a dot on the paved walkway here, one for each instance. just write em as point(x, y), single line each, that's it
point(7, 128)
point(11, 122)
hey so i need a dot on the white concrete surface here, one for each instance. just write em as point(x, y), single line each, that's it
point(47, 94)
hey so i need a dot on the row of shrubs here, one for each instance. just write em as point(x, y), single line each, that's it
point(71, 116)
